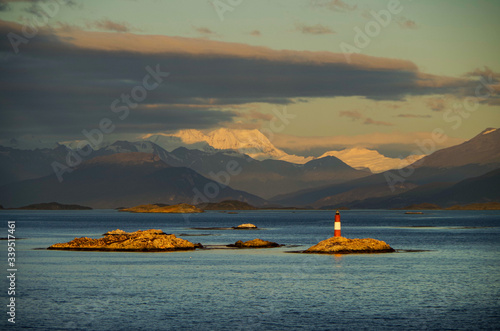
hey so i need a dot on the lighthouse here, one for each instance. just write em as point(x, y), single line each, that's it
point(337, 225)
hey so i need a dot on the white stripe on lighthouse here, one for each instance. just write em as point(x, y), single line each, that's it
point(337, 226)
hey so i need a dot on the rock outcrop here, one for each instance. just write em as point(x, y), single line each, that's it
point(246, 226)
point(341, 245)
point(255, 243)
point(477, 206)
point(138, 241)
point(183, 208)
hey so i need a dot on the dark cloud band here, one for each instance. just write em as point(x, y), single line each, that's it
point(54, 86)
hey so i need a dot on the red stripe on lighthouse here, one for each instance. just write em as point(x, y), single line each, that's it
point(337, 225)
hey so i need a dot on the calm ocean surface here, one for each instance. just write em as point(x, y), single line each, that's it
point(454, 283)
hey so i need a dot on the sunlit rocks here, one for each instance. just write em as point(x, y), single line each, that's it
point(255, 243)
point(138, 241)
point(181, 208)
point(246, 226)
point(341, 245)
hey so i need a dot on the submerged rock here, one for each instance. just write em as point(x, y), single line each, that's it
point(138, 241)
point(255, 243)
point(245, 226)
point(341, 245)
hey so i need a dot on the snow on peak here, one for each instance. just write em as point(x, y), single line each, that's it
point(190, 136)
point(360, 158)
point(245, 141)
point(259, 147)
point(250, 142)
point(489, 130)
point(191, 139)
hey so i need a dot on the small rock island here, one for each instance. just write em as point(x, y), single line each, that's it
point(53, 206)
point(246, 226)
point(182, 208)
point(341, 245)
point(138, 241)
point(255, 243)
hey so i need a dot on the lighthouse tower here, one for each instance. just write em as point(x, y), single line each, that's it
point(337, 225)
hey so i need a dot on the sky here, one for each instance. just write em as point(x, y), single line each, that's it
point(313, 75)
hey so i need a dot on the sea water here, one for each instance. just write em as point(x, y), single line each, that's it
point(445, 275)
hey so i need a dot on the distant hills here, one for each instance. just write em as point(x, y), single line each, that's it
point(53, 206)
point(483, 149)
point(134, 173)
point(445, 177)
point(363, 158)
point(265, 178)
point(479, 189)
point(18, 164)
point(123, 179)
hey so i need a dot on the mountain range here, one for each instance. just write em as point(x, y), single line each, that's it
point(428, 178)
point(124, 179)
point(256, 145)
point(244, 165)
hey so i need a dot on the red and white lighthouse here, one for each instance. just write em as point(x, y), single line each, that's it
point(337, 225)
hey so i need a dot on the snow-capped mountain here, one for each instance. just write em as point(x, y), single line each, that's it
point(190, 139)
point(250, 142)
point(259, 147)
point(360, 158)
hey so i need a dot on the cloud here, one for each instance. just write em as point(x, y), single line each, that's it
point(204, 30)
point(334, 5)
point(259, 116)
point(370, 121)
point(413, 116)
point(317, 29)
point(393, 106)
point(4, 6)
point(436, 104)
point(34, 8)
point(75, 75)
point(488, 89)
point(255, 33)
point(168, 46)
point(484, 72)
point(108, 25)
point(354, 114)
point(405, 23)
